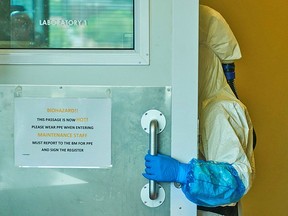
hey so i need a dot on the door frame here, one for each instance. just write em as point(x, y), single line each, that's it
point(184, 94)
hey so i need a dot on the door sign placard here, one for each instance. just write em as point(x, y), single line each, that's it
point(62, 132)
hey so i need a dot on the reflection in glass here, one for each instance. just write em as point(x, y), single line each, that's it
point(67, 24)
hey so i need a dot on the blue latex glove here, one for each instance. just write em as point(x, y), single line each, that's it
point(163, 168)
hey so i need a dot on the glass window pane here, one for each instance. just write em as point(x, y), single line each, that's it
point(68, 24)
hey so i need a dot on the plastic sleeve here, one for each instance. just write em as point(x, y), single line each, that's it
point(212, 184)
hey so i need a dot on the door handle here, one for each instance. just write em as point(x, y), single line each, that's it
point(153, 147)
point(153, 122)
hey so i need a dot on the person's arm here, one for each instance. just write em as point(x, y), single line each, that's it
point(205, 183)
point(226, 173)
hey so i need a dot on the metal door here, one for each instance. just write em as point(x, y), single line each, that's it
point(76, 191)
point(168, 84)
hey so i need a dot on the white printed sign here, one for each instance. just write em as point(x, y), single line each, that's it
point(62, 132)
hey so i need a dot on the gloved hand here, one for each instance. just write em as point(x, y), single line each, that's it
point(163, 168)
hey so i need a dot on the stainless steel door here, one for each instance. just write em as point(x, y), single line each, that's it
point(74, 191)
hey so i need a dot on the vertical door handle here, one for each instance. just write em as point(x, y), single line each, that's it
point(153, 122)
point(153, 146)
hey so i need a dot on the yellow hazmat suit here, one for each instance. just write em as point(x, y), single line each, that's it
point(226, 131)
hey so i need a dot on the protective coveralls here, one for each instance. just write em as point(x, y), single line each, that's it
point(225, 168)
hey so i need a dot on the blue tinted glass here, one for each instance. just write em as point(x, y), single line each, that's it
point(69, 24)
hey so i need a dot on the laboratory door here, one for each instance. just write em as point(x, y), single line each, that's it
point(76, 124)
point(67, 183)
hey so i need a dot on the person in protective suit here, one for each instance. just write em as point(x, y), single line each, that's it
point(225, 168)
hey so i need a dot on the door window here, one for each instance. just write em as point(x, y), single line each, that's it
point(69, 24)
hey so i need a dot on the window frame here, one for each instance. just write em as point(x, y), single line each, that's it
point(138, 56)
